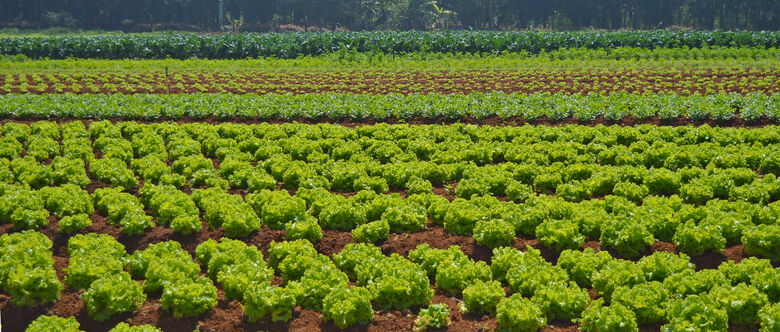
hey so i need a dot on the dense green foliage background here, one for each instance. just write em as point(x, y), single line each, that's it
point(271, 15)
point(292, 45)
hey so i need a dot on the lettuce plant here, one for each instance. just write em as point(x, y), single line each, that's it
point(647, 300)
point(741, 272)
point(54, 323)
point(559, 234)
point(517, 313)
point(371, 232)
point(626, 237)
point(347, 306)
point(113, 294)
point(741, 303)
point(124, 327)
point(113, 171)
point(696, 312)
point(763, 240)
point(462, 217)
point(494, 233)
point(74, 223)
point(307, 229)
point(342, 216)
point(616, 273)
point(506, 258)
point(435, 316)
point(174, 208)
point(598, 318)
point(278, 251)
point(316, 283)
point(69, 171)
point(230, 212)
point(768, 282)
point(405, 218)
point(695, 239)
point(770, 317)
point(67, 200)
point(93, 256)
point(263, 300)
point(482, 297)
point(661, 265)
point(455, 276)
point(395, 282)
point(580, 265)
point(561, 300)
point(189, 297)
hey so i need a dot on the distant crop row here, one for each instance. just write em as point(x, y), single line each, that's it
point(681, 81)
point(576, 58)
point(335, 106)
point(292, 45)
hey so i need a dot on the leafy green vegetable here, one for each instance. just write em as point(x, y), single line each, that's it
point(614, 274)
point(516, 313)
point(111, 295)
point(54, 323)
point(559, 300)
point(580, 265)
point(189, 297)
point(435, 316)
point(93, 256)
point(741, 302)
point(263, 300)
point(494, 233)
point(770, 317)
point(598, 318)
point(530, 277)
point(696, 312)
point(307, 229)
point(124, 327)
point(763, 240)
point(347, 306)
point(559, 234)
point(695, 239)
point(647, 300)
point(482, 297)
point(661, 265)
point(627, 237)
point(74, 223)
point(371, 232)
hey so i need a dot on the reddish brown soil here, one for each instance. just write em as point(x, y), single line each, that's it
point(679, 80)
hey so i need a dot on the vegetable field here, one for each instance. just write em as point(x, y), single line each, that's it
point(552, 197)
point(372, 82)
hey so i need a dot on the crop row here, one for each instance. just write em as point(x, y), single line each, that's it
point(334, 106)
point(349, 286)
point(625, 221)
point(701, 188)
point(681, 81)
point(625, 187)
point(292, 45)
point(617, 58)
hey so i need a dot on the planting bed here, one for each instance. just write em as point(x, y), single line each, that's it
point(708, 196)
point(670, 80)
point(489, 108)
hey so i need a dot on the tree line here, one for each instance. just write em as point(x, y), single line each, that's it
point(281, 15)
